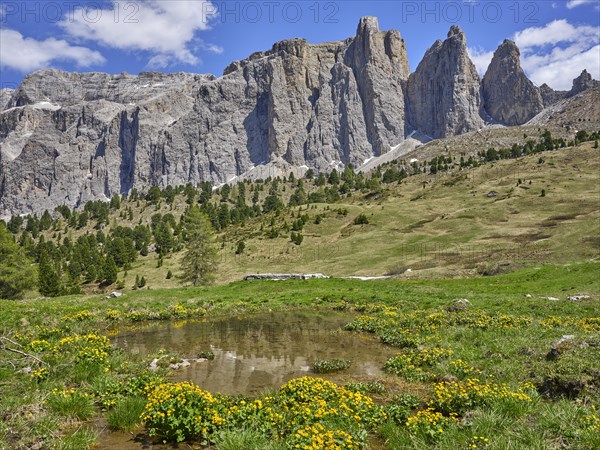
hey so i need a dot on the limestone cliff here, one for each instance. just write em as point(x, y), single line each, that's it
point(509, 96)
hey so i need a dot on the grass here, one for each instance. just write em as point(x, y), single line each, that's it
point(503, 335)
point(126, 414)
point(81, 438)
point(75, 404)
point(245, 439)
point(448, 232)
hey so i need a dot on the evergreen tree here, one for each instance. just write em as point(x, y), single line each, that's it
point(115, 202)
point(241, 246)
point(48, 278)
point(199, 262)
point(45, 221)
point(109, 270)
point(16, 273)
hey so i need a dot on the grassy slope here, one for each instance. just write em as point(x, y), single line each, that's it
point(449, 228)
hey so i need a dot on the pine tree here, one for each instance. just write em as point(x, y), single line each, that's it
point(16, 272)
point(48, 278)
point(199, 262)
point(109, 271)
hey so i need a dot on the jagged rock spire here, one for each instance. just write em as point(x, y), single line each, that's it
point(509, 96)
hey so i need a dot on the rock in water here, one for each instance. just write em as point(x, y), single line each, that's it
point(443, 93)
point(508, 95)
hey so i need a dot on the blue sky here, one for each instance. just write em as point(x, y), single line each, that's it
point(558, 39)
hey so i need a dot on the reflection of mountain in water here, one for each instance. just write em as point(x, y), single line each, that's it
point(263, 351)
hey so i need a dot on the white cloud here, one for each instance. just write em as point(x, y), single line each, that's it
point(557, 53)
point(164, 28)
point(559, 73)
point(575, 3)
point(554, 54)
point(553, 33)
point(480, 58)
point(216, 49)
point(27, 54)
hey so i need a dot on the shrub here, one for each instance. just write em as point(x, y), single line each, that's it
point(410, 363)
point(296, 238)
point(318, 437)
point(460, 396)
point(180, 411)
point(430, 423)
point(361, 219)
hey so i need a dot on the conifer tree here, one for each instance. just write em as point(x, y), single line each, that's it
point(48, 278)
point(16, 272)
point(199, 262)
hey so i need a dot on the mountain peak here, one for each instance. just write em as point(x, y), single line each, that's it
point(583, 82)
point(455, 30)
point(509, 96)
point(367, 24)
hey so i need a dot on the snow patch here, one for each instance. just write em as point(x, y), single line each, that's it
point(46, 105)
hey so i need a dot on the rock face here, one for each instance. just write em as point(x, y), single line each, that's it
point(509, 96)
point(582, 83)
point(70, 137)
point(66, 138)
point(5, 95)
point(443, 93)
point(550, 96)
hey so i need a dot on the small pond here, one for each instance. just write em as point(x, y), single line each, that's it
point(256, 352)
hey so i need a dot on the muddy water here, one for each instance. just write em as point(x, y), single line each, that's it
point(258, 352)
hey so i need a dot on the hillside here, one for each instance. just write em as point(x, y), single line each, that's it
point(456, 220)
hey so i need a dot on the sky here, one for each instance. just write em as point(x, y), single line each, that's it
point(558, 39)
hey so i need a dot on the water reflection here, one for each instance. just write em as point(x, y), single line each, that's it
point(258, 352)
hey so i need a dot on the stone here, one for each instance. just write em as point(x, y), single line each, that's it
point(510, 98)
point(460, 304)
point(577, 298)
point(550, 96)
point(283, 276)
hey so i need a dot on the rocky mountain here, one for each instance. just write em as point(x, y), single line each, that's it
point(443, 93)
point(66, 138)
point(582, 83)
point(579, 112)
point(509, 96)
